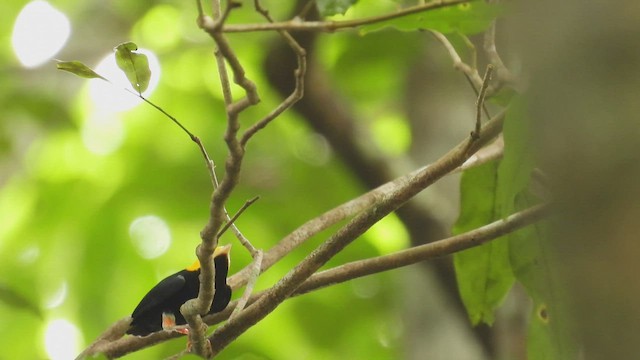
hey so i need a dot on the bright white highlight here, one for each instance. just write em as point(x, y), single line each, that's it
point(112, 97)
point(102, 132)
point(62, 340)
point(58, 297)
point(29, 255)
point(40, 31)
point(150, 236)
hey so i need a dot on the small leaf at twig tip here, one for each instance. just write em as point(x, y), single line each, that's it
point(77, 68)
point(134, 65)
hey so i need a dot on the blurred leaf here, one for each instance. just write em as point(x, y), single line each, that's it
point(468, 18)
point(483, 273)
point(333, 7)
point(77, 68)
point(548, 337)
point(134, 65)
point(12, 298)
point(528, 253)
point(517, 164)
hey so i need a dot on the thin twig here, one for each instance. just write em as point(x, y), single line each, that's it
point(480, 102)
point(471, 73)
point(232, 220)
point(256, 265)
point(503, 75)
point(330, 26)
point(191, 135)
point(298, 91)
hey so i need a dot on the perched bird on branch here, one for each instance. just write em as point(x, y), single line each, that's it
point(160, 308)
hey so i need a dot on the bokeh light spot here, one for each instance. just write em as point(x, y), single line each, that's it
point(392, 134)
point(62, 340)
point(102, 132)
point(388, 235)
point(40, 31)
point(164, 18)
point(312, 148)
point(58, 296)
point(112, 97)
point(29, 255)
point(150, 236)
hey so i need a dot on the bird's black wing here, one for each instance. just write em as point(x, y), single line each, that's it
point(162, 291)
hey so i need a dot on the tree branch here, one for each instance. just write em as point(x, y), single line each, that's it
point(225, 334)
point(330, 26)
point(350, 271)
point(424, 252)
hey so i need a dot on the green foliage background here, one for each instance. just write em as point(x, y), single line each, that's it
point(65, 211)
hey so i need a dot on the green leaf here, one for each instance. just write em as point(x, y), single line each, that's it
point(529, 252)
point(333, 7)
point(548, 337)
point(134, 65)
point(467, 18)
point(483, 273)
point(77, 68)
point(517, 163)
point(12, 298)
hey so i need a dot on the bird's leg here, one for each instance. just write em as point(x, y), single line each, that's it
point(169, 324)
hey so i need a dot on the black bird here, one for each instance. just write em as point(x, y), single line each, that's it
point(160, 308)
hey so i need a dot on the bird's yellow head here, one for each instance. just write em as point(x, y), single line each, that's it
point(220, 250)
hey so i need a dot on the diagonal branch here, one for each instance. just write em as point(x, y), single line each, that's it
point(225, 334)
point(352, 271)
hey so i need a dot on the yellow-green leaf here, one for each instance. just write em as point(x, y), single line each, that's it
point(467, 18)
point(77, 68)
point(483, 273)
point(134, 65)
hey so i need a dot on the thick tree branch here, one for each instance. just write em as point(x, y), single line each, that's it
point(225, 334)
point(424, 252)
point(348, 272)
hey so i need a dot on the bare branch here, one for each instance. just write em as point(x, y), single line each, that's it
point(102, 343)
point(232, 220)
point(480, 102)
point(330, 26)
point(217, 213)
point(470, 72)
point(254, 274)
point(355, 270)
point(503, 75)
point(488, 153)
point(225, 334)
point(424, 252)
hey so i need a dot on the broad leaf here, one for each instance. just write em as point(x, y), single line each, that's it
point(549, 336)
point(528, 248)
point(134, 65)
point(467, 18)
point(78, 68)
point(517, 164)
point(333, 7)
point(484, 272)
